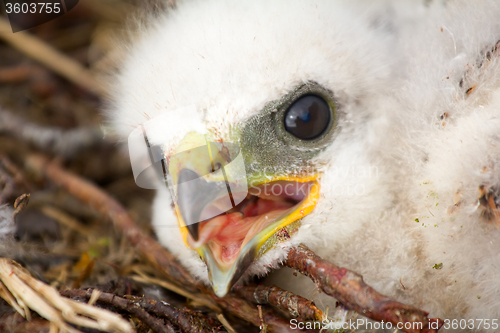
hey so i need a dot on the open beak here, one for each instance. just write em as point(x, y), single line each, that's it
point(228, 217)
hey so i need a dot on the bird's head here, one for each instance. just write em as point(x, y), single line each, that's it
point(243, 111)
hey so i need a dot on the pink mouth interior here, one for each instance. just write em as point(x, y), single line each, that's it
point(226, 234)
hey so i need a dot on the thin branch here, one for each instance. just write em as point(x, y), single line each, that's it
point(129, 306)
point(263, 326)
point(285, 301)
point(349, 289)
point(187, 321)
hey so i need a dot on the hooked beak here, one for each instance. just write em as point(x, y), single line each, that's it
point(228, 220)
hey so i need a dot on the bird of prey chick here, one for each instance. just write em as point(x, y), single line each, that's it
point(367, 130)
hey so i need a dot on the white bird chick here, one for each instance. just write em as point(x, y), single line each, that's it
point(372, 136)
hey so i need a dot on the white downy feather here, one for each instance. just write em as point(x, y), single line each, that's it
point(414, 141)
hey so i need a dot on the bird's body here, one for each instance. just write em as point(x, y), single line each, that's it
point(410, 168)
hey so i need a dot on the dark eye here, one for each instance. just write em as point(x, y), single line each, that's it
point(308, 117)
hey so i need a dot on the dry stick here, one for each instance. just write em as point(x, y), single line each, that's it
point(187, 321)
point(244, 310)
point(157, 325)
point(263, 326)
point(349, 289)
point(50, 57)
point(294, 305)
point(150, 249)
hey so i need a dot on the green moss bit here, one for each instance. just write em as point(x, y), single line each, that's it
point(434, 195)
point(437, 203)
point(438, 266)
point(416, 220)
point(478, 296)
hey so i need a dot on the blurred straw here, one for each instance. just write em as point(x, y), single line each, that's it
point(42, 52)
point(23, 292)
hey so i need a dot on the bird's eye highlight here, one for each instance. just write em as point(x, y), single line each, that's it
point(308, 117)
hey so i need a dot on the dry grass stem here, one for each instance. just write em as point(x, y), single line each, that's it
point(225, 323)
point(18, 287)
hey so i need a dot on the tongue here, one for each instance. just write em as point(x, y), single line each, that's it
point(263, 206)
point(227, 233)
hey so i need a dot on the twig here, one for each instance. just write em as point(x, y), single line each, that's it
point(285, 301)
point(50, 57)
point(132, 307)
point(187, 321)
point(263, 326)
point(349, 289)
